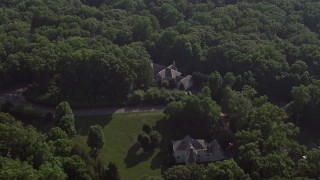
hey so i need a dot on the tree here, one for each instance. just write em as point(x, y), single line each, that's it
point(142, 28)
point(205, 92)
point(310, 167)
point(170, 15)
point(147, 128)
point(181, 172)
point(112, 173)
point(14, 169)
point(177, 173)
point(76, 168)
point(95, 137)
point(155, 138)
point(239, 108)
point(215, 81)
point(66, 123)
point(61, 147)
point(144, 141)
point(136, 98)
point(227, 169)
point(52, 172)
point(276, 165)
point(63, 109)
point(249, 155)
point(301, 97)
point(56, 133)
point(194, 115)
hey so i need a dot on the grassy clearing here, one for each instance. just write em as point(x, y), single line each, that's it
point(121, 131)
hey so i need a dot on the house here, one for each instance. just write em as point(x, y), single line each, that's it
point(163, 74)
point(188, 150)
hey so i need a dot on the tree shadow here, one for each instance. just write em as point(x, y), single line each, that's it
point(134, 157)
point(83, 124)
point(169, 132)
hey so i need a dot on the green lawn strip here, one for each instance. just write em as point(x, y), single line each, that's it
point(121, 131)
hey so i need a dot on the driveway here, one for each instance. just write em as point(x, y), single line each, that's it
point(15, 96)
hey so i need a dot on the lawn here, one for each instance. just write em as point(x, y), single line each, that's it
point(121, 131)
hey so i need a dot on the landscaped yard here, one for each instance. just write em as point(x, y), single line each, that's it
point(121, 131)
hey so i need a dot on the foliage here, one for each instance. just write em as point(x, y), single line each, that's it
point(11, 169)
point(144, 140)
point(56, 133)
point(227, 169)
point(65, 118)
point(147, 128)
point(98, 52)
point(63, 109)
point(112, 173)
point(95, 137)
point(155, 138)
point(180, 172)
point(195, 115)
point(155, 96)
point(66, 123)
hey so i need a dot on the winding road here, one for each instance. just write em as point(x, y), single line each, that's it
point(15, 96)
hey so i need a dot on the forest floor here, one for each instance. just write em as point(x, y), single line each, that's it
point(121, 132)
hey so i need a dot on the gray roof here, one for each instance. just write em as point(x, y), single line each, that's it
point(169, 73)
point(187, 143)
point(187, 82)
point(173, 66)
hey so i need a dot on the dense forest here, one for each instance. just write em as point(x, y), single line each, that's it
point(241, 53)
point(77, 50)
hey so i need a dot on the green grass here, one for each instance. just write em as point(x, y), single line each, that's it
point(121, 147)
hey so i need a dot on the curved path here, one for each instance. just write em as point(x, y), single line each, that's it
point(15, 96)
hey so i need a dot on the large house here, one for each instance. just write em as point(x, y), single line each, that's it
point(188, 150)
point(165, 74)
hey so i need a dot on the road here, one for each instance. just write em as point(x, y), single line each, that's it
point(15, 96)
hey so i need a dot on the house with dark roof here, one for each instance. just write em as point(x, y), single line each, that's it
point(188, 150)
point(165, 74)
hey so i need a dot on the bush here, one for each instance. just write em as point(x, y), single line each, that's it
point(28, 112)
point(155, 138)
point(144, 141)
point(155, 96)
point(136, 98)
point(147, 128)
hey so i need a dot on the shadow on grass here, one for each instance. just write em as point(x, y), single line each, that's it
point(83, 124)
point(133, 157)
point(169, 132)
point(159, 161)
